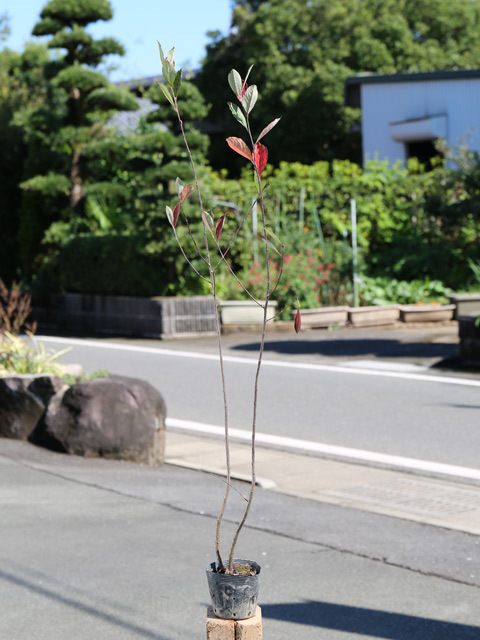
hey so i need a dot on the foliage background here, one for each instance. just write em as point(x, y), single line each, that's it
point(413, 225)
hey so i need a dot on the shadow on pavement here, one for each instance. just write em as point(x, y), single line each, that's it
point(46, 592)
point(369, 622)
point(357, 347)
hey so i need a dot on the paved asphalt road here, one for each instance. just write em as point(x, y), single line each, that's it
point(430, 414)
point(96, 549)
point(103, 550)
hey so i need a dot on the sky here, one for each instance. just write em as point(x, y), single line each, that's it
point(137, 24)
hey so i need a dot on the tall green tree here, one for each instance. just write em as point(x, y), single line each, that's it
point(158, 155)
point(4, 27)
point(308, 48)
point(62, 135)
point(23, 87)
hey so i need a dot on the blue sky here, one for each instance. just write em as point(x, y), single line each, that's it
point(138, 24)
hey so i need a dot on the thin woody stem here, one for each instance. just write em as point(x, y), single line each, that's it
point(220, 349)
point(199, 253)
point(259, 364)
point(224, 256)
point(188, 260)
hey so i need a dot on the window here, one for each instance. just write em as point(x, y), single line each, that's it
point(424, 150)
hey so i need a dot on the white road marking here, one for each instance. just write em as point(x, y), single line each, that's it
point(338, 368)
point(385, 365)
point(359, 455)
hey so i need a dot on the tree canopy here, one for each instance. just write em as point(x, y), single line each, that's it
point(62, 132)
point(303, 51)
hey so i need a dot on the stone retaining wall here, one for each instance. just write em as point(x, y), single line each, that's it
point(128, 315)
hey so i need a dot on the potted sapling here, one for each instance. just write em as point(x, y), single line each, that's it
point(233, 582)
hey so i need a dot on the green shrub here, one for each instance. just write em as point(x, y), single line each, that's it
point(114, 264)
point(307, 275)
point(20, 356)
point(382, 290)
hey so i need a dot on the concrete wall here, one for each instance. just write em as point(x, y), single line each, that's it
point(388, 102)
point(129, 316)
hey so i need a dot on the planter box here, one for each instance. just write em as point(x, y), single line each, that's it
point(371, 316)
point(235, 312)
point(427, 312)
point(128, 315)
point(323, 317)
point(466, 304)
point(469, 334)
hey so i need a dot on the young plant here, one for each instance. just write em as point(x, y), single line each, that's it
point(15, 307)
point(212, 251)
point(20, 357)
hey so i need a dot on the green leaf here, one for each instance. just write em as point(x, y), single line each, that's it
point(235, 82)
point(169, 214)
point(171, 56)
point(177, 83)
point(162, 57)
point(273, 236)
point(168, 71)
point(272, 246)
point(167, 93)
point(208, 220)
point(248, 73)
point(179, 184)
point(250, 98)
point(238, 114)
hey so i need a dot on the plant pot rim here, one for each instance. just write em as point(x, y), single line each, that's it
point(212, 568)
point(418, 308)
point(375, 307)
point(239, 303)
point(472, 295)
point(311, 310)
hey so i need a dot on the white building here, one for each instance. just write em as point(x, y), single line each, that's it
point(404, 113)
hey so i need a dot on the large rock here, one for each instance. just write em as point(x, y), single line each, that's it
point(114, 417)
point(23, 400)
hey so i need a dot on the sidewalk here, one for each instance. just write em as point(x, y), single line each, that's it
point(437, 501)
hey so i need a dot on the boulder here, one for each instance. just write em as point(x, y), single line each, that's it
point(114, 417)
point(23, 400)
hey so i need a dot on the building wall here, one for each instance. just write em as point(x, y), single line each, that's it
point(388, 102)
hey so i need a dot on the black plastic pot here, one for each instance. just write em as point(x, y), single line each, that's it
point(233, 597)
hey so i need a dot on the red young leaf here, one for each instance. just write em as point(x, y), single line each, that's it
point(186, 191)
point(297, 324)
point(260, 156)
point(238, 145)
point(219, 226)
point(268, 128)
point(176, 213)
point(244, 88)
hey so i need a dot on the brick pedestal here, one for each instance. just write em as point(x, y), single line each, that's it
point(218, 629)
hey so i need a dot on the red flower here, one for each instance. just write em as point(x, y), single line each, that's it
point(288, 257)
point(329, 266)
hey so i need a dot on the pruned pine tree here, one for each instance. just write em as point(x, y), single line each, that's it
point(85, 99)
point(157, 154)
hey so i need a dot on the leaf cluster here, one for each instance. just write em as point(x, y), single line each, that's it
point(308, 49)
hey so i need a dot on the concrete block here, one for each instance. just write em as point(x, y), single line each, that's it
point(250, 629)
point(218, 629)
